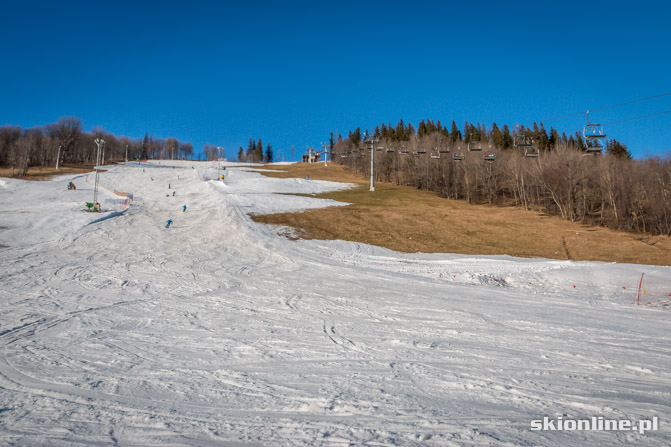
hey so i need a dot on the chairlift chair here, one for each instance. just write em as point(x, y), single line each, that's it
point(403, 150)
point(489, 156)
point(594, 136)
point(421, 150)
point(531, 151)
point(475, 146)
point(458, 156)
point(416, 154)
point(443, 149)
point(390, 149)
point(435, 154)
point(379, 148)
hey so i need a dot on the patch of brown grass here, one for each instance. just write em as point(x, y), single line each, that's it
point(405, 219)
point(38, 173)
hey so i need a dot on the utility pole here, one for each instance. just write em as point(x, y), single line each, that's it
point(372, 140)
point(126, 153)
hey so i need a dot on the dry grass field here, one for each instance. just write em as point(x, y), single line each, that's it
point(406, 219)
point(46, 172)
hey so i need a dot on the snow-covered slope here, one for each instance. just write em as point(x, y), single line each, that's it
point(117, 331)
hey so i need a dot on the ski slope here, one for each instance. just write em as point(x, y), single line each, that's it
point(217, 331)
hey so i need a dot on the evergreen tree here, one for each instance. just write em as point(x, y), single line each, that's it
point(579, 142)
point(496, 136)
point(258, 152)
point(507, 138)
point(268, 158)
point(618, 149)
point(554, 138)
point(241, 154)
point(145, 146)
point(455, 135)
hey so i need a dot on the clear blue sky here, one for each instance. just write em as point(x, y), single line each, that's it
point(291, 72)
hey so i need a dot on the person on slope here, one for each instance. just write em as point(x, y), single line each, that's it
point(184, 209)
point(167, 224)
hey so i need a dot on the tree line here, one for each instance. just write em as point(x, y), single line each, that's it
point(66, 142)
point(611, 189)
point(255, 152)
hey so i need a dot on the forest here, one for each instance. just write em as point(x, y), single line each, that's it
point(66, 142)
point(548, 173)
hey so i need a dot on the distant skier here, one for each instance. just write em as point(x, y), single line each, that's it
point(71, 186)
point(173, 193)
point(184, 209)
point(167, 224)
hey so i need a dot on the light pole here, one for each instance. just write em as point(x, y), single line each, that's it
point(324, 146)
point(221, 149)
point(372, 140)
point(101, 144)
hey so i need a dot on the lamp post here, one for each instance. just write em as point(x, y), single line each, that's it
point(324, 147)
point(101, 144)
point(372, 140)
point(221, 150)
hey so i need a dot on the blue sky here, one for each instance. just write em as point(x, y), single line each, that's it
point(291, 72)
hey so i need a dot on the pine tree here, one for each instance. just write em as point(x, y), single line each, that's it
point(455, 135)
point(507, 138)
point(496, 136)
point(618, 149)
point(268, 158)
point(258, 152)
point(145, 146)
point(241, 154)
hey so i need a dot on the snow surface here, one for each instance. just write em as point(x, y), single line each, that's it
point(217, 331)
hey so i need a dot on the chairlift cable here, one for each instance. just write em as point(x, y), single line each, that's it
point(607, 107)
point(637, 118)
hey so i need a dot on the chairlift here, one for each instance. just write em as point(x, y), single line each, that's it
point(521, 140)
point(379, 148)
point(403, 150)
point(458, 156)
point(443, 149)
point(435, 153)
point(421, 150)
point(475, 146)
point(489, 156)
point(531, 151)
point(416, 154)
point(390, 149)
point(593, 134)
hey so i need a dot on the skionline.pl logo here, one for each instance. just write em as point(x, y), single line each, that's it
point(595, 423)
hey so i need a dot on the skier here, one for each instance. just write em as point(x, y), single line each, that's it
point(167, 224)
point(184, 209)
